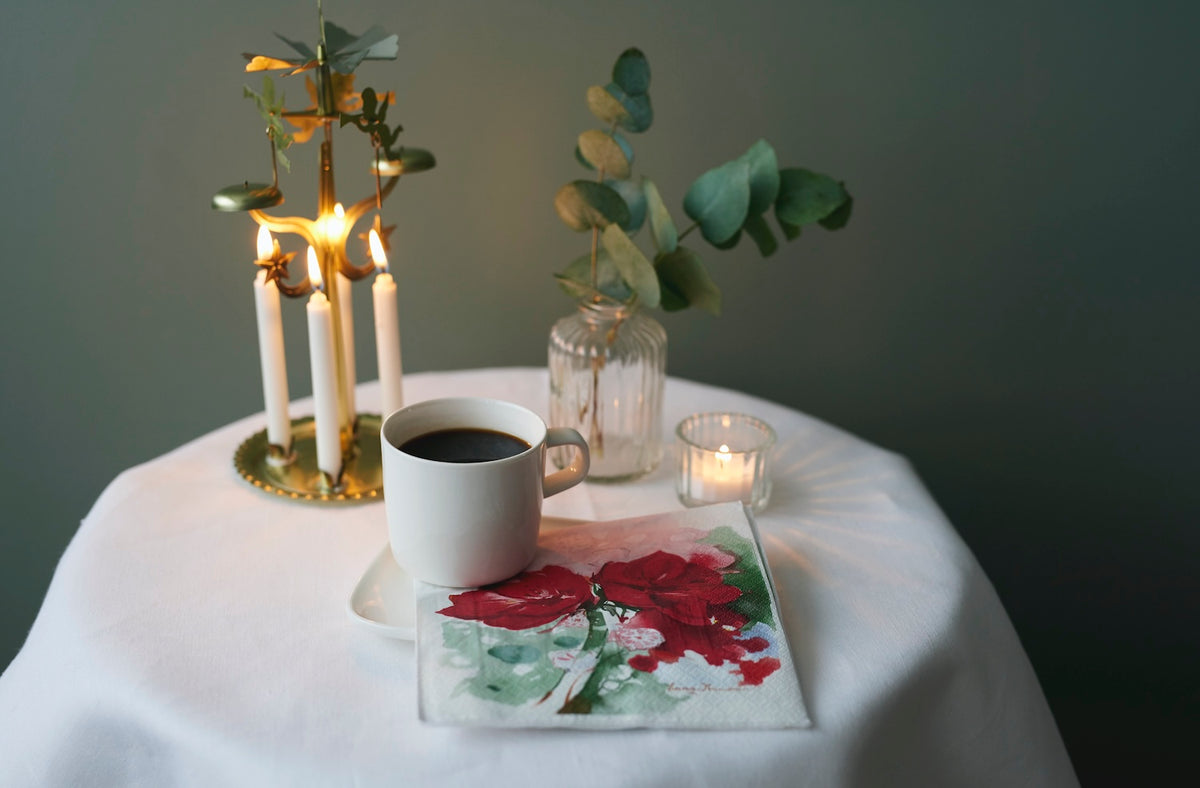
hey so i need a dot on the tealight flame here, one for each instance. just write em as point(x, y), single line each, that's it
point(723, 454)
point(314, 270)
point(377, 253)
point(266, 244)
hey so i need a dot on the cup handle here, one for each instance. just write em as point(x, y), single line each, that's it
point(574, 473)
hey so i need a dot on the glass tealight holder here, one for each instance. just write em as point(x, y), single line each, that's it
point(724, 457)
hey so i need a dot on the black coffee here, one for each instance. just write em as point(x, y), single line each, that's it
point(464, 444)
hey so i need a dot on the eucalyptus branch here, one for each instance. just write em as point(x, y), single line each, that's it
point(595, 271)
point(726, 203)
point(596, 241)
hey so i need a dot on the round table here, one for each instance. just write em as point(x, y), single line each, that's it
point(196, 632)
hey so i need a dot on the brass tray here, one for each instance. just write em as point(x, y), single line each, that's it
point(300, 480)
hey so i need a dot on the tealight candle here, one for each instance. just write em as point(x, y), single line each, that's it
point(724, 457)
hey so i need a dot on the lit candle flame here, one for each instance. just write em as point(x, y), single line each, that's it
point(335, 224)
point(723, 454)
point(266, 244)
point(377, 253)
point(314, 269)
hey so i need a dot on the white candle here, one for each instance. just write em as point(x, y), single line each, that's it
point(270, 350)
point(346, 318)
point(333, 227)
point(324, 374)
point(387, 331)
point(726, 476)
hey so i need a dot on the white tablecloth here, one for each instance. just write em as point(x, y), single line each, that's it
point(196, 633)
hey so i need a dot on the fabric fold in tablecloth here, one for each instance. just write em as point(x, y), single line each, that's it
point(663, 621)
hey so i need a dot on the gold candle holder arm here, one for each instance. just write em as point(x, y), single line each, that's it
point(297, 290)
point(356, 212)
point(293, 225)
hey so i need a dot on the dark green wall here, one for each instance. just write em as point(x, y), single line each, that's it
point(1012, 306)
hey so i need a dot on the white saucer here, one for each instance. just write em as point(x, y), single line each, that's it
point(383, 601)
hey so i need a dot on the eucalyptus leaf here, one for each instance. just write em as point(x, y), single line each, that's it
point(609, 283)
point(806, 197)
point(640, 115)
point(625, 146)
point(685, 282)
point(731, 242)
point(719, 200)
point(635, 200)
point(583, 205)
point(605, 152)
point(632, 72)
point(613, 105)
point(764, 176)
point(579, 158)
point(580, 291)
point(790, 231)
point(605, 106)
point(838, 219)
point(662, 228)
point(760, 232)
point(635, 269)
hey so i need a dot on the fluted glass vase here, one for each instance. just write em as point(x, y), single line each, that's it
point(607, 368)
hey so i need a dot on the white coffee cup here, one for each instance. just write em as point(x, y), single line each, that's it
point(470, 523)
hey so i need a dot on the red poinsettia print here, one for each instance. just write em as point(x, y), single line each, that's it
point(531, 599)
point(715, 641)
point(683, 590)
point(753, 672)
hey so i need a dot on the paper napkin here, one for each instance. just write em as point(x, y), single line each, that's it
point(666, 621)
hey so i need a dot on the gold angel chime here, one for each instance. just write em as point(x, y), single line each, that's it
point(335, 454)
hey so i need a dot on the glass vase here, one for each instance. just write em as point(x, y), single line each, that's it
point(607, 368)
